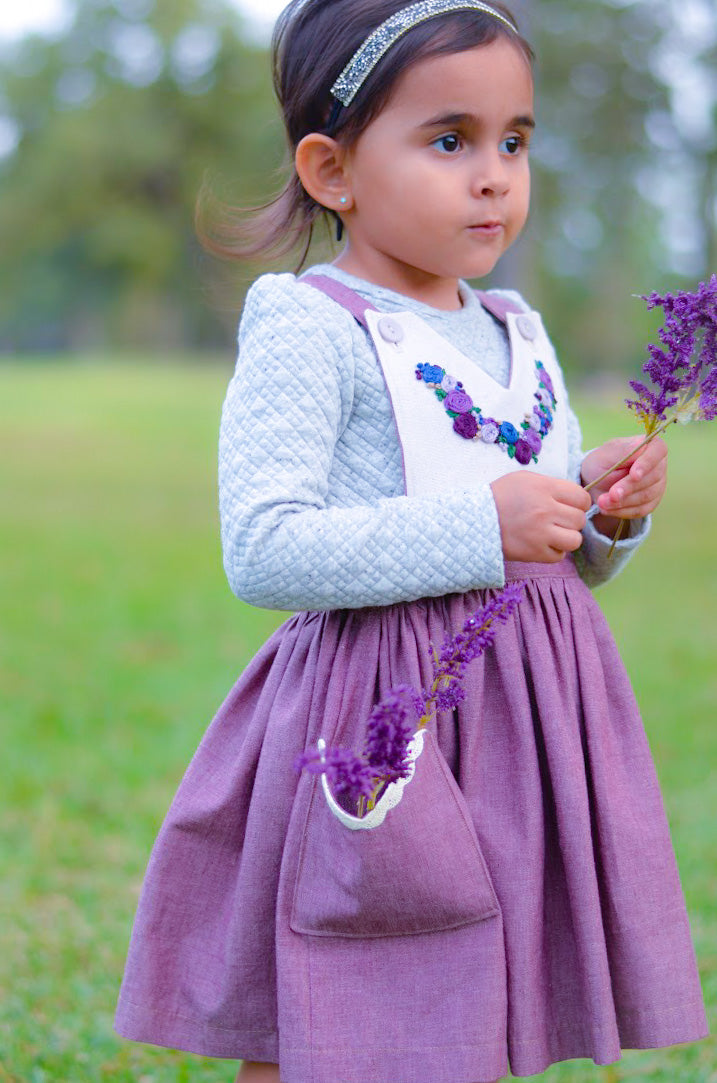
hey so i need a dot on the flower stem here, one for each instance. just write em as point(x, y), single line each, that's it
point(616, 537)
point(624, 459)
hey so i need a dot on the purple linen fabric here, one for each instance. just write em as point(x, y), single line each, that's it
point(565, 934)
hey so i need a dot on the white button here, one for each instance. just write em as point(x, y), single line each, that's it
point(526, 328)
point(390, 329)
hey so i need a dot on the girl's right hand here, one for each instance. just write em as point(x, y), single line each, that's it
point(540, 517)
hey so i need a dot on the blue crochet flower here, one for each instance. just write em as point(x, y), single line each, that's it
point(509, 432)
point(432, 374)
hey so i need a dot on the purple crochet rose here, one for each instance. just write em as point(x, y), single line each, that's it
point(489, 432)
point(458, 402)
point(545, 379)
point(465, 425)
point(533, 441)
point(522, 452)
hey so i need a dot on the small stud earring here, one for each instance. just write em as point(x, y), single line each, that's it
point(343, 201)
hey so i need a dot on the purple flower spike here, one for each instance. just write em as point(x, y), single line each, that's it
point(345, 772)
point(681, 371)
point(478, 633)
point(393, 721)
point(390, 728)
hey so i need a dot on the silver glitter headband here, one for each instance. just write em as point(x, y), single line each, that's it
point(387, 34)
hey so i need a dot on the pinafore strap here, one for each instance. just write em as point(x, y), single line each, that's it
point(343, 295)
point(357, 306)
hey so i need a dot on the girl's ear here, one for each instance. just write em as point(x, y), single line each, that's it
point(319, 161)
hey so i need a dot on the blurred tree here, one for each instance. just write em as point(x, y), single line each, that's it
point(115, 124)
point(107, 131)
point(625, 166)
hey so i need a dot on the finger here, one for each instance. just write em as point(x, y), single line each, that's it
point(611, 479)
point(553, 556)
point(628, 488)
point(568, 517)
point(635, 504)
point(570, 494)
point(651, 457)
point(564, 540)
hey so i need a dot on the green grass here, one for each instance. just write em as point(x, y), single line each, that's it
point(119, 638)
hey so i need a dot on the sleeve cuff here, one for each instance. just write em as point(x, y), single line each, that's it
point(595, 561)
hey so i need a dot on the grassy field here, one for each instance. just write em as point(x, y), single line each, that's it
point(119, 638)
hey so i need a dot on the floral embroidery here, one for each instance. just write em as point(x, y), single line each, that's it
point(523, 443)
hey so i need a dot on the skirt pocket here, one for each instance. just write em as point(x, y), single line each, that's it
point(420, 871)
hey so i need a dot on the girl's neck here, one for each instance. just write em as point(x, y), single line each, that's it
point(441, 293)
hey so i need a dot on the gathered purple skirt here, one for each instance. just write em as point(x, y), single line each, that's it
point(520, 906)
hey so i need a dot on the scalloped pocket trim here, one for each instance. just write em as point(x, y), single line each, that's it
point(421, 872)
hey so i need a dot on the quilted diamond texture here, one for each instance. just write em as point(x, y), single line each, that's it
point(311, 481)
point(311, 492)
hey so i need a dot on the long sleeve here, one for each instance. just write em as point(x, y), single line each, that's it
point(289, 541)
point(594, 561)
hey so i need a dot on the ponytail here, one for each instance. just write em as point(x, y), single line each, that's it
point(271, 230)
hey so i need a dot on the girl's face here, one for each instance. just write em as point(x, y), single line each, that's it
point(439, 181)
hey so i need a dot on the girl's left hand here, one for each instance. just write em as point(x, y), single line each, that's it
point(633, 490)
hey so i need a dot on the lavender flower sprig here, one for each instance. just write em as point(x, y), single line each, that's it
point(683, 371)
point(392, 722)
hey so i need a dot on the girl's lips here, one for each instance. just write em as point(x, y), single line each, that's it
point(487, 228)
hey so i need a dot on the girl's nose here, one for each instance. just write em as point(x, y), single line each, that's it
point(490, 176)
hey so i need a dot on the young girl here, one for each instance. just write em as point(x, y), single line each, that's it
point(523, 907)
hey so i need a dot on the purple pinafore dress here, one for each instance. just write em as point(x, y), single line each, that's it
point(520, 906)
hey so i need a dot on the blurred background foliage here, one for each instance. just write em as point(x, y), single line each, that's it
point(108, 129)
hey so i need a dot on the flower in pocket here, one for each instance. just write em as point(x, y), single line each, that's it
point(393, 721)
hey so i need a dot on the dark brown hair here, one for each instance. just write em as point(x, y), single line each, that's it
point(312, 43)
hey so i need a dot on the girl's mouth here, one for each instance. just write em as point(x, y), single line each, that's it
point(487, 229)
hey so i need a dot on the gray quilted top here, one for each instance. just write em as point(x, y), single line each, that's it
point(313, 509)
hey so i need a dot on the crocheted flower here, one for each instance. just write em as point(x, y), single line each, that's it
point(458, 402)
point(523, 444)
point(432, 374)
point(523, 452)
point(465, 425)
point(545, 379)
point(531, 438)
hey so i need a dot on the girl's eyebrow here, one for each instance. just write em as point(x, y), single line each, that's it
point(447, 120)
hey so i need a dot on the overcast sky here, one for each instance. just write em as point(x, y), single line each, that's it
point(16, 18)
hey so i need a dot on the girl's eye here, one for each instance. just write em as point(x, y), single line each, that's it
point(513, 144)
point(449, 144)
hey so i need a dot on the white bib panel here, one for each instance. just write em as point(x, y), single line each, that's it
point(435, 457)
